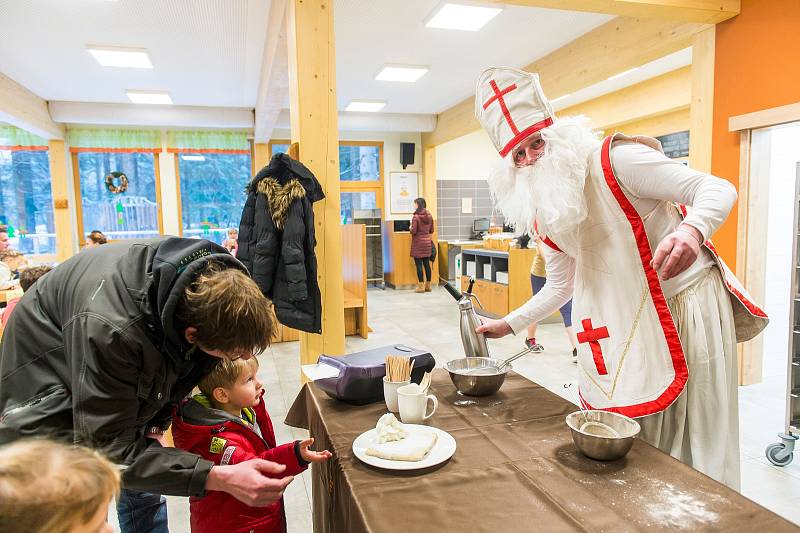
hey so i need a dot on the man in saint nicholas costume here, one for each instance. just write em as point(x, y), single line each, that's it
point(626, 233)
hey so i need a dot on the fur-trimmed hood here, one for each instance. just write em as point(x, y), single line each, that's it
point(280, 197)
point(283, 181)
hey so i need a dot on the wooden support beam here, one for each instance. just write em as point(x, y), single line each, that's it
point(23, 109)
point(655, 126)
point(63, 213)
point(274, 85)
point(704, 11)
point(702, 108)
point(312, 89)
point(429, 179)
point(656, 96)
point(614, 47)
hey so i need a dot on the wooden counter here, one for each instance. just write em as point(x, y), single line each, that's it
point(399, 269)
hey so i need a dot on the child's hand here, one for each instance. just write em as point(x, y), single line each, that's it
point(310, 455)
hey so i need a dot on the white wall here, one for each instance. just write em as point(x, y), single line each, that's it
point(783, 147)
point(391, 156)
point(469, 157)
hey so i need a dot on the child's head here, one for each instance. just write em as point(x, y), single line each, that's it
point(49, 487)
point(14, 259)
point(233, 233)
point(232, 385)
point(31, 275)
point(95, 238)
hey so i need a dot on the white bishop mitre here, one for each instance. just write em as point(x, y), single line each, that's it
point(511, 106)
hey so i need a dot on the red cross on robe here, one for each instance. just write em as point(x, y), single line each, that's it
point(593, 337)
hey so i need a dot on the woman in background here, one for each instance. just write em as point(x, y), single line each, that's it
point(421, 245)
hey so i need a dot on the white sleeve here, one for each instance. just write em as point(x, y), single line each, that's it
point(556, 291)
point(649, 174)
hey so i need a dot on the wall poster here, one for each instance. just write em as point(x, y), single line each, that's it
point(403, 190)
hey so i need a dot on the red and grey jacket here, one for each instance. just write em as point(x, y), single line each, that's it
point(225, 439)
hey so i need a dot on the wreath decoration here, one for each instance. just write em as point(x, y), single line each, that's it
point(112, 187)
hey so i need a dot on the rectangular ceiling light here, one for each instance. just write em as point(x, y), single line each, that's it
point(114, 56)
point(370, 106)
point(404, 73)
point(462, 17)
point(149, 97)
point(615, 76)
point(193, 158)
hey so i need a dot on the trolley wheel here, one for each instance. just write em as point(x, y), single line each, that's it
point(777, 455)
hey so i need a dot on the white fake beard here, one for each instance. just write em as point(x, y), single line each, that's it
point(552, 188)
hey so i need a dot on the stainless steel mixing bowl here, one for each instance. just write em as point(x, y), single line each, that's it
point(467, 381)
point(603, 448)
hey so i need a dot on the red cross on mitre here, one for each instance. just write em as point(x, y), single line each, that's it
point(593, 337)
point(498, 96)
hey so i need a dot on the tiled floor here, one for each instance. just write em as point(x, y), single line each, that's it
point(431, 321)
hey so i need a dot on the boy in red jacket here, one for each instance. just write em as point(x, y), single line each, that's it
point(228, 423)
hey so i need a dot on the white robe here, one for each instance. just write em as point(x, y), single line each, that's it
point(701, 427)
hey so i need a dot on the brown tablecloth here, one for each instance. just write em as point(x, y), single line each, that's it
point(515, 469)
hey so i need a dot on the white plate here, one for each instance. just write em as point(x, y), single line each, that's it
point(443, 450)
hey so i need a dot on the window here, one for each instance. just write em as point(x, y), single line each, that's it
point(361, 177)
point(360, 161)
point(212, 193)
point(26, 200)
point(131, 214)
point(351, 201)
point(278, 147)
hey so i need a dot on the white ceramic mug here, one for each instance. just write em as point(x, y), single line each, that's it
point(413, 404)
point(390, 392)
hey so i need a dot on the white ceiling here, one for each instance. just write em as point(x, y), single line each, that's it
point(370, 33)
point(204, 52)
point(209, 52)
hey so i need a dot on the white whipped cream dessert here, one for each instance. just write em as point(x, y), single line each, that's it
point(390, 429)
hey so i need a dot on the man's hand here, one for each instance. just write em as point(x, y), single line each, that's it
point(310, 456)
point(494, 329)
point(677, 251)
point(249, 482)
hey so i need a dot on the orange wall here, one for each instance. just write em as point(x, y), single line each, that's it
point(756, 67)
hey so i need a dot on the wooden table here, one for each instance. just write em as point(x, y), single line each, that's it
point(515, 469)
point(9, 294)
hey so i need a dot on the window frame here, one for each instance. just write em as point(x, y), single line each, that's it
point(76, 183)
point(375, 186)
point(177, 164)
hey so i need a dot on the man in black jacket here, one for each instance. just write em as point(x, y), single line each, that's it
point(100, 349)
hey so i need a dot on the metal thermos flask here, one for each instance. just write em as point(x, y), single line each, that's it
point(474, 343)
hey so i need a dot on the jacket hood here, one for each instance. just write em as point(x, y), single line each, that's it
point(425, 216)
point(175, 265)
point(280, 197)
point(196, 420)
point(284, 169)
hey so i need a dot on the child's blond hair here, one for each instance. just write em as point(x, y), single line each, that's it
point(225, 375)
point(52, 487)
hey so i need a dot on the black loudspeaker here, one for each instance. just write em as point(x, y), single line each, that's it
point(407, 154)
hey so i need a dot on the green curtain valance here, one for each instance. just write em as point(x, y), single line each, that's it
point(13, 138)
point(208, 142)
point(113, 140)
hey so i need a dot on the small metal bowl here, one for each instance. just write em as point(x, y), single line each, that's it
point(603, 448)
point(475, 384)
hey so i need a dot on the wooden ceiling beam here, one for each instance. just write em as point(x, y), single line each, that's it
point(273, 89)
point(23, 109)
point(619, 45)
point(657, 96)
point(702, 11)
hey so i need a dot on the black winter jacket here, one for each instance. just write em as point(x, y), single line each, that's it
point(91, 353)
point(276, 241)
